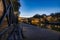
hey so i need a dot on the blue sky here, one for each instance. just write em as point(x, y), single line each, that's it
point(31, 7)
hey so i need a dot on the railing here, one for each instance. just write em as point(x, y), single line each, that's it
point(15, 32)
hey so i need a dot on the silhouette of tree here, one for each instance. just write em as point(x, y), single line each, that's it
point(16, 4)
point(36, 16)
point(43, 14)
point(52, 14)
point(57, 14)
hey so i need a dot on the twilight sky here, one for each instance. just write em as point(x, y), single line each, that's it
point(32, 7)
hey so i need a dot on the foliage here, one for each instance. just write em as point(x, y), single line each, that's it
point(16, 4)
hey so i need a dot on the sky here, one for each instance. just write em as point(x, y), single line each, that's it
point(31, 7)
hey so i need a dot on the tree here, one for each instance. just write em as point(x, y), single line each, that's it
point(43, 14)
point(52, 14)
point(57, 14)
point(16, 4)
point(36, 16)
